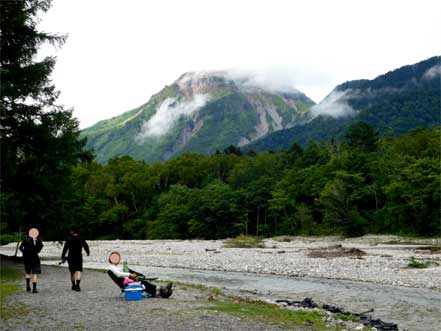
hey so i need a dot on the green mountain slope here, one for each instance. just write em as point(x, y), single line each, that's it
point(395, 102)
point(200, 112)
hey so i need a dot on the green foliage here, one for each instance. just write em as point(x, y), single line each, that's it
point(329, 188)
point(414, 263)
point(8, 287)
point(175, 213)
point(339, 198)
point(393, 103)
point(362, 136)
point(40, 140)
point(244, 241)
point(229, 116)
point(269, 313)
point(6, 238)
point(8, 273)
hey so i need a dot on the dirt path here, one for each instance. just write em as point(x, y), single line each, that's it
point(99, 307)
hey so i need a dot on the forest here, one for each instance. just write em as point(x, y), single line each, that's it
point(360, 184)
point(363, 185)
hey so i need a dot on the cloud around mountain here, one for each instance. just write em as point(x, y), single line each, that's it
point(167, 115)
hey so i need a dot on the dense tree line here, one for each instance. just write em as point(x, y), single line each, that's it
point(362, 185)
point(39, 139)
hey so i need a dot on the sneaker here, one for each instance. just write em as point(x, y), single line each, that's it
point(28, 289)
point(34, 290)
point(166, 291)
point(166, 295)
point(77, 288)
point(73, 287)
point(168, 287)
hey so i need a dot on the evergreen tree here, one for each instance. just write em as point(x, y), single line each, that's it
point(362, 136)
point(39, 139)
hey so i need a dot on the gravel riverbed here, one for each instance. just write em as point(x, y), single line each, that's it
point(385, 261)
point(99, 307)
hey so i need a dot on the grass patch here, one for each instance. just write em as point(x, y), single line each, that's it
point(8, 276)
point(244, 241)
point(285, 239)
point(347, 318)
point(414, 263)
point(273, 314)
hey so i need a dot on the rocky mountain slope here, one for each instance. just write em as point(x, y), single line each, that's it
point(208, 111)
point(200, 112)
point(394, 103)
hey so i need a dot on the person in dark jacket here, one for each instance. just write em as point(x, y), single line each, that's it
point(30, 247)
point(73, 248)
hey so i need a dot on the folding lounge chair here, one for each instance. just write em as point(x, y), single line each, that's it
point(118, 281)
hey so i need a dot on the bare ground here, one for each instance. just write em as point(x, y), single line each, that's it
point(99, 307)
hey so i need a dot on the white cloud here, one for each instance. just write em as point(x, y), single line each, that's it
point(120, 53)
point(276, 80)
point(335, 105)
point(433, 72)
point(167, 115)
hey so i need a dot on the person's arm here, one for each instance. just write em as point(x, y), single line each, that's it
point(38, 246)
point(21, 248)
point(119, 273)
point(65, 249)
point(86, 247)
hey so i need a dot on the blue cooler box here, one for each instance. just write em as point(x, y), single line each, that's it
point(133, 292)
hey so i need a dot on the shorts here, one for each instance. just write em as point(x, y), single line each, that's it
point(32, 266)
point(75, 264)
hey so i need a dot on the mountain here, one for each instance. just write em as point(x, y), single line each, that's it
point(200, 112)
point(208, 111)
point(395, 103)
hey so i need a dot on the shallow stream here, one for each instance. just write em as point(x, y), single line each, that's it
point(412, 309)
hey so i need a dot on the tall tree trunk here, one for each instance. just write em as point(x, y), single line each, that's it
point(246, 224)
point(257, 221)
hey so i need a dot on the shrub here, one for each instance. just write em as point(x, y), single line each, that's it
point(244, 241)
point(414, 263)
point(7, 238)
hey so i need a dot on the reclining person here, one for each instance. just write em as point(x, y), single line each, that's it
point(129, 277)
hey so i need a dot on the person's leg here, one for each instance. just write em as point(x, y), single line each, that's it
point(77, 280)
point(28, 271)
point(149, 287)
point(166, 291)
point(28, 282)
point(72, 279)
point(34, 283)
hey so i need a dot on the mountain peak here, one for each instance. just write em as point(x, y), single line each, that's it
point(246, 81)
point(203, 82)
point(202, 111)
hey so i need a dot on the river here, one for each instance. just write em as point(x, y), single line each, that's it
point(413, 309)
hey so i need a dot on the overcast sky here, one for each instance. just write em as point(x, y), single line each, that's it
point(119, 53)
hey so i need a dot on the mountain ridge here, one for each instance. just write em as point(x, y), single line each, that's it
point(199, 112)
point(394, 102)
point(207, 111)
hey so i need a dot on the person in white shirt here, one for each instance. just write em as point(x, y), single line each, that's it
point(114, 259)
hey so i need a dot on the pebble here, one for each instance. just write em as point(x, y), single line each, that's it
point(384, 264)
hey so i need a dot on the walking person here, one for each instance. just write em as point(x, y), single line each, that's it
point(30, 247)
point(73, 248)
